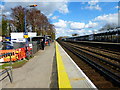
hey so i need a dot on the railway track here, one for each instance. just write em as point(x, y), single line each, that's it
point(108, 69)
point(113, 58)
point(103, 52)
point(112, 51)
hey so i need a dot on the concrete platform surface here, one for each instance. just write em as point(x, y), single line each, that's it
point(76, 76)
point(34, 74)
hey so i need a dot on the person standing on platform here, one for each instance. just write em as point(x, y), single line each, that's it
point(48, 42)
point(42, 43)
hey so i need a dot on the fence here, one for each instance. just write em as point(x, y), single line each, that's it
point(35, 47)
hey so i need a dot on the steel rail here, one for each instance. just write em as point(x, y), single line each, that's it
point(100, 59)
point(101, 49)
point(115, 59)
point(107, 73)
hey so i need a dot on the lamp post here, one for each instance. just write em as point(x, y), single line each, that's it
point(25, 30)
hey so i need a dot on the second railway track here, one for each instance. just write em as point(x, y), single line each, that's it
point(113, 58)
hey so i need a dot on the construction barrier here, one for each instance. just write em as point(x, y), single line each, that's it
point(16, 54)
point(5, 57)
point(20, 53)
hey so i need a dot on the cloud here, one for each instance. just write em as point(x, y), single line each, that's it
point(109, 18)
point(60, 31)
point(1, 7)
point(48, 8)
point(60, 24)
point(68, 32)
point(91, 25)
point(80, 32)
point(93, 5)
point(90, 31)
point(77, 25)
point(67, 28)
point(63, 9)
point(93, 2)
point(59, 0)
point(36, 0)
point(117, 7)
point(7, 13)
point(18, 0)
point(55, 17)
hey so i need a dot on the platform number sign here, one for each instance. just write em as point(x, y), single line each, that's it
point(25, 36)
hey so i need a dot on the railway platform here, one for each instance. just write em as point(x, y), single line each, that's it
point(69, 74)
point(38, 71)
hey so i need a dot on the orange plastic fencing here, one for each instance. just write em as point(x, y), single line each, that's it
point(7, 57)
point(20, 53)
point(17, 54)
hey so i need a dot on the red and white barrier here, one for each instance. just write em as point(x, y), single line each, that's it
point(17, 54)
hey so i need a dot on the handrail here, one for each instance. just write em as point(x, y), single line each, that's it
point(9, 74)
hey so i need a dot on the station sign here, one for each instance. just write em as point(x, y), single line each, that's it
point(25, 35)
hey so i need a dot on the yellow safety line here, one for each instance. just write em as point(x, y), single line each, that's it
point(63, 79)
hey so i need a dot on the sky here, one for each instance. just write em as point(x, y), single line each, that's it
point(81, 16)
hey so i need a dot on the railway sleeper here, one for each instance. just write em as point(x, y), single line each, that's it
point(109, 57)
point(108, 74)
point(100, 59)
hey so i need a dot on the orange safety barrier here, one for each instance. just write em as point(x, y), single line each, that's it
point(17, 54)
point(20, 53)
point(7, 57)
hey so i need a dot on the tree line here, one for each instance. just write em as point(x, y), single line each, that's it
point(35, 22)
point(108, 27)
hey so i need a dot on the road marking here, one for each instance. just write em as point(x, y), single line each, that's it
point(63, 79)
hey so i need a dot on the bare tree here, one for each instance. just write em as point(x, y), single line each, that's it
point(18, 18)
point(35, 21)
point(108, 27)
